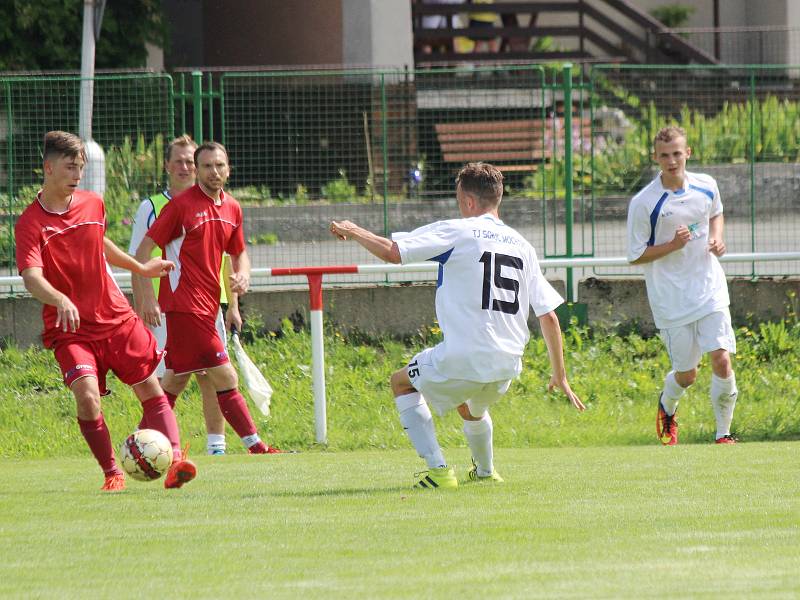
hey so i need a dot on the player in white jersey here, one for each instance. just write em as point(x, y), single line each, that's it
point(675, 230)
point(489, 277)
point(180, 168)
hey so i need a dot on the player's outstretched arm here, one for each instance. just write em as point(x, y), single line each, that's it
point(551, 331)
point(383, 248)
point(145, 301)
point(151, 267)
point(240, 273)
point(67, 313)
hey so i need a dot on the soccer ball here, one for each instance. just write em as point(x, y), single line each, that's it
point(146, 454)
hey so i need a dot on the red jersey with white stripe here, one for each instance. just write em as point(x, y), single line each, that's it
point(68, 247)
point(194, 231)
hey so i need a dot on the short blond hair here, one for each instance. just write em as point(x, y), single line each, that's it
point(182, 140)
point(669, 133)
point(483, 181)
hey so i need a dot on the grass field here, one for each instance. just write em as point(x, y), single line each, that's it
point(611, 522)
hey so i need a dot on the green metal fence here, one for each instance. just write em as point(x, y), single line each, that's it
point(133, 114)
point(382, 148)
point(743, 125)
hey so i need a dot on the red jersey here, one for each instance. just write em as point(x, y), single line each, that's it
point(68, 247)
point(195, 231)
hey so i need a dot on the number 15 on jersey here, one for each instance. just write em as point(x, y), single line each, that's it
point(493, 264)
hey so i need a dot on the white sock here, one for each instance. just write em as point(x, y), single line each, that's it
point(723, 400)
point(418, 423)
point(250, 440)
point(479, 439)
point(671, 393)
point(215, 441)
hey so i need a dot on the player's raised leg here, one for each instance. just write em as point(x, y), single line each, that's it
point(160, 416)
point(417, 421)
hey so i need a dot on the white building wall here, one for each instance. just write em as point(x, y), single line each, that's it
point(377, 33)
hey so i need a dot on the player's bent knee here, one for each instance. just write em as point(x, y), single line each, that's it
point(175, 384)
point(686, 378)
point(400, 384)
point(87, 400)
point(721, 363)
point(463, 410)
point(224, 377)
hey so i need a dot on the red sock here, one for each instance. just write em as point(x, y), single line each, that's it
point(159, 416)
point(234, 409)
point(99, 440)
point(171, 398)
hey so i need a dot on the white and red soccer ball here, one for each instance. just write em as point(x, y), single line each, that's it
point(146, 454)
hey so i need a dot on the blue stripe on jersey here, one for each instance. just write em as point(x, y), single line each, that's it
point(654, 218)
point(151, 218)
point(441, 259)
point(708, 193)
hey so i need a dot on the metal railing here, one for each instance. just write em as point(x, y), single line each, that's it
point(382, 147)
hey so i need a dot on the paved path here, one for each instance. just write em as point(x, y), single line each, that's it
point(773, 234)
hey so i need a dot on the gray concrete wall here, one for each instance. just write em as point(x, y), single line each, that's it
point(405, 310)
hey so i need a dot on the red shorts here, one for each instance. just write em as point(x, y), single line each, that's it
point(193, 343)
point(130, 352)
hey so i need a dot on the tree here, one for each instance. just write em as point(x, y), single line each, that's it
point(46, 34)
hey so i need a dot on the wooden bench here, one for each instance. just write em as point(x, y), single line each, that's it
point(517, 145)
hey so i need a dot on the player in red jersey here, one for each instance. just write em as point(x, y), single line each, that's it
point(195, 228)
point(63, 257)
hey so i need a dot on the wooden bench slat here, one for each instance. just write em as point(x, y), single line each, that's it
point(515, 125)
point(464, 157)
point(490, 145)
point(517, 167)
point(488, 136)
point(512, 145)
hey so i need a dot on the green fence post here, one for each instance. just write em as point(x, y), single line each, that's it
point(197, 104)
point(211, 95)
point(222, 110)
point(753, 166)
point(568, 219)
point(10, 162)
point(385, 150)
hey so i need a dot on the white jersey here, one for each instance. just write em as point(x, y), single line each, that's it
point(687, 284)
point(142, 220)
point(489, 276)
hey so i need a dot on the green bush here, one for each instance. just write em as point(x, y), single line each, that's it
point(339, 190)
point(673, 15)
point(722, 138)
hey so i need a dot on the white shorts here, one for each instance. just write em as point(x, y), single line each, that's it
point(160, 332)
point(687, 344)
point(443, 394)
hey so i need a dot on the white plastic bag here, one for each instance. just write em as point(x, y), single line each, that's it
point(258, 386)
